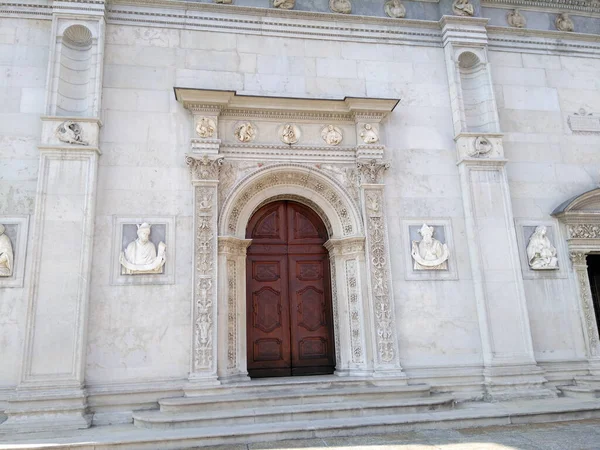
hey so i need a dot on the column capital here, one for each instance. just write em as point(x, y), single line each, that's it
point(578, 259)
point(204, 167)
point(233, 246)
point(344, 247)
point(371, 172)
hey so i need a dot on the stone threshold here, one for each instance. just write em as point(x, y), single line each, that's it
point(465, 416)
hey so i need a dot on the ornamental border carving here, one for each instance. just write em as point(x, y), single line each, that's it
point(303, 176)
point(583, 231)
point(205, 283)
point(355, 315)
point(336, 317)
point(578, 259)
point(231, 314)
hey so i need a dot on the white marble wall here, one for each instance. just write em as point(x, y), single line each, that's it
point(143, 332)
point(548, 164)
point(23, 65)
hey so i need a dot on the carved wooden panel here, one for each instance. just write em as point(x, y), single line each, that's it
point(267, 309)
point(310, 271)
point(313, 348)
point(266, 271)
point(311, 308)
point(268, 349)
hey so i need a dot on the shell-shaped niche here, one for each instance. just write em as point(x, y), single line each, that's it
point(76, 77)
point(477, 97)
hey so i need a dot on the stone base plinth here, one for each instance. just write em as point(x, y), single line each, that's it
point(516, 382)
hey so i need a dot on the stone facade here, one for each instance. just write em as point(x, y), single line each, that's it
point(468, 116)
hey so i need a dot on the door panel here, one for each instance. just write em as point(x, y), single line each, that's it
point(289, 317)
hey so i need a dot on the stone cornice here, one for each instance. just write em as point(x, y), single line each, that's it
point(560, 5)
point(284, 107)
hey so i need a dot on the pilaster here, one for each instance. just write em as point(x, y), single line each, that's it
point(204, 172)
point(232, 362)
point(51, 392)
point(386, 361)
point(350, 304)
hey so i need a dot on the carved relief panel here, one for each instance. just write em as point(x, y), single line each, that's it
point(13, 247)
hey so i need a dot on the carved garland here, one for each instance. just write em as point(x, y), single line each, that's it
point(355, 322)
point(304, 179)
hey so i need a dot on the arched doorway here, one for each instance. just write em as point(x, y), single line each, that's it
point(289, 310)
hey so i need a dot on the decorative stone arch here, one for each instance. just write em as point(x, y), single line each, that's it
point(346, 246)
point(310, 186)
point(581, 217)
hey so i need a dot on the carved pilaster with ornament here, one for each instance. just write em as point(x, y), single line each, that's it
point(588, 316)
point(386, 359)
point(232, 298)
point(204, 171)
point(348, 277)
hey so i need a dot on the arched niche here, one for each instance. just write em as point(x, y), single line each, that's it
point(580, 216)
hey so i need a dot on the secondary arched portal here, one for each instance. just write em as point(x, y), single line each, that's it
point(289, 313)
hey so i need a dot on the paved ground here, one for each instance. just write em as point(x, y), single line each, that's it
point(578, 435)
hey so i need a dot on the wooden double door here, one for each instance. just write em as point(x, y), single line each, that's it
point(289, 314)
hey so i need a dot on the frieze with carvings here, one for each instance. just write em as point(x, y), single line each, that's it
point(584, 231)
point(592, 6)
point(355, 315)
point(231, 314)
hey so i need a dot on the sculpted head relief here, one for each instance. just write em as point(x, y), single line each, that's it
point(332, 135)
point(564, 23)
point(290, 134)
point(429, 253)
point(541, 254)
point(284, 4)
point(140, 257)
point(368, 134)
point(340, 6)
point(395, 9)
point(516, 19)
point(463, 8)
point(245, 132)
point(71, 133)
point(6, 254)
point(206, 127)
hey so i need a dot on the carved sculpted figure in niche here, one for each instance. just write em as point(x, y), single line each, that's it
point(564, 23)
point(206, 127)
point(541, 254)
point(140, 257)
point(332, 135)
point(6, 254)
point(290, 134)
point(368, 134)
point(463, 8)
point(340, 6)
point(516, 19)
point(395, 9)
point(284, 4)
point(245, 132)
point(70, 132)
point(429, 253)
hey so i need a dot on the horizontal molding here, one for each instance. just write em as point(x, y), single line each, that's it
point(552, 5)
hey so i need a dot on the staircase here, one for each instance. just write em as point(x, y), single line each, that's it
point(287, 400)
point(586, 387)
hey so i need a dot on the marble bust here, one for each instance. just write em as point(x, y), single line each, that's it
point(516, 19)
point(463, 8)
point(332, 135)
point(140, 257)
point(429, 253)
point(541, 254)
point(6, 254)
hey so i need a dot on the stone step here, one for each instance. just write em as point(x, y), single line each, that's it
point(290, 413)
point(588, 381)
point(265, 397)
point(582, 392)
